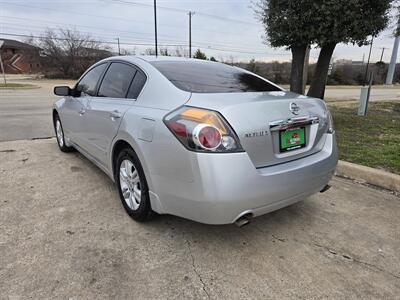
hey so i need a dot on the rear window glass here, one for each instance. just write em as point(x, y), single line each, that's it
point(209, 77)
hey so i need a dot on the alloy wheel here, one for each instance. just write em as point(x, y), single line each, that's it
point(59, 132)
point(129, 181)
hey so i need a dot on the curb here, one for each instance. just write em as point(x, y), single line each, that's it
point(369, 175)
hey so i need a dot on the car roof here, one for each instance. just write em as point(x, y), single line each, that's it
point(153, 58)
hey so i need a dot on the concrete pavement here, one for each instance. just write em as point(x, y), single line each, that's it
point(64, 234)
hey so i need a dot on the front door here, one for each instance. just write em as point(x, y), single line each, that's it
point(77, 106)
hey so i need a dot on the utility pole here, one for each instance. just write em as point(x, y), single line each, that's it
point(119, 48)
point(393, 59)
point(383, 51)
point(155, 25)
point(369, 57)
point(1, 64)
point(305, 69)
point(191, 13)
point(365, 89)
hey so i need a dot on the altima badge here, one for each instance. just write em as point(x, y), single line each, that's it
point(256, 134)
point(294, 108)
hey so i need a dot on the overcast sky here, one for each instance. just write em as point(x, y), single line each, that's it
point(221, 28)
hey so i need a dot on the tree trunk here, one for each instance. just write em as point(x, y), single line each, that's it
point(296, 75)
point(317, 87)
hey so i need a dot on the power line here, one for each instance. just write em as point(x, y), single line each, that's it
point(201, 43)
point(108, 17)
point(185, 12)
point(148, 44)
point(93, 41)
point(40, 30)
point(79, 25)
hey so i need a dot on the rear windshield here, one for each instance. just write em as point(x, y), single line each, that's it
point(209, 77)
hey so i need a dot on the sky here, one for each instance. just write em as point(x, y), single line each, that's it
point(225, 29)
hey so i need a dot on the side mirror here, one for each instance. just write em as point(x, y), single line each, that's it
point(65, 91)
point(62, 91)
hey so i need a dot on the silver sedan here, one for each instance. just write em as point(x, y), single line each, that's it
point(197, 139)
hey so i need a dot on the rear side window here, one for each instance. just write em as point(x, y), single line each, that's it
point(137, 85)
point(117, 80)
point(209, 77)
point(88, 83)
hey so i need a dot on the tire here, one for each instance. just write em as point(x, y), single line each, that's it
point(58, 129)
point(130, 180)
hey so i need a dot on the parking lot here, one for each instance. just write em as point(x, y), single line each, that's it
point(64, 233)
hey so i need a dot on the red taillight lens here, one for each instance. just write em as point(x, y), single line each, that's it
point(206, 136)
point(202, 130)
point(178, 128)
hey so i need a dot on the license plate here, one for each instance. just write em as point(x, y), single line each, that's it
point(292, 139)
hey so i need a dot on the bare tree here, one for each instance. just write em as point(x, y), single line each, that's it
point(149, 51)
point(70, 52)
point(180, 51)
point(128, 51)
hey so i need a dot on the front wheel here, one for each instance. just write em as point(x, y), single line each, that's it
point(60, 135)
point(132, 185)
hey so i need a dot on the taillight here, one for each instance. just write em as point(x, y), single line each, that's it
point(202, 130)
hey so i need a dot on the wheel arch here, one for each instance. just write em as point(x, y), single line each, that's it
point(121, 142)
point(55, 113)
point(124, 140)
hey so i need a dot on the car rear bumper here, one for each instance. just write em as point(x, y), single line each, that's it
point(228, 186)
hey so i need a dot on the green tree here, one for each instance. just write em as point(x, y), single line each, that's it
point(344, 21)
point(212, 58)
point(199, 55)
point(288, 23)
point(295, 24)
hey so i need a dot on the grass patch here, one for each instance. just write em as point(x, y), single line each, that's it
point(17, 86)
point(373, 140)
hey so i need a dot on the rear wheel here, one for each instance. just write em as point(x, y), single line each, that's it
point(132, 185)
point(60, 135)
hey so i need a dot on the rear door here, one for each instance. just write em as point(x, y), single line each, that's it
point(117, 92)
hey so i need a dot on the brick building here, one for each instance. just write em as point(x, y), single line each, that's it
point(20, 57)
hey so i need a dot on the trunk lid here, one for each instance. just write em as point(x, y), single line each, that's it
point(259, 118)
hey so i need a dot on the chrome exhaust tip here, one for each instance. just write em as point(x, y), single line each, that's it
point(243, 220)
point(327, 187)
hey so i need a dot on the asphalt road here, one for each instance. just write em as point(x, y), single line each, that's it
point(64, 235)
point(378, 93)
point(26, 113)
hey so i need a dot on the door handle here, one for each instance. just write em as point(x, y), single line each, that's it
point(115, 115)
point(82, 112)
